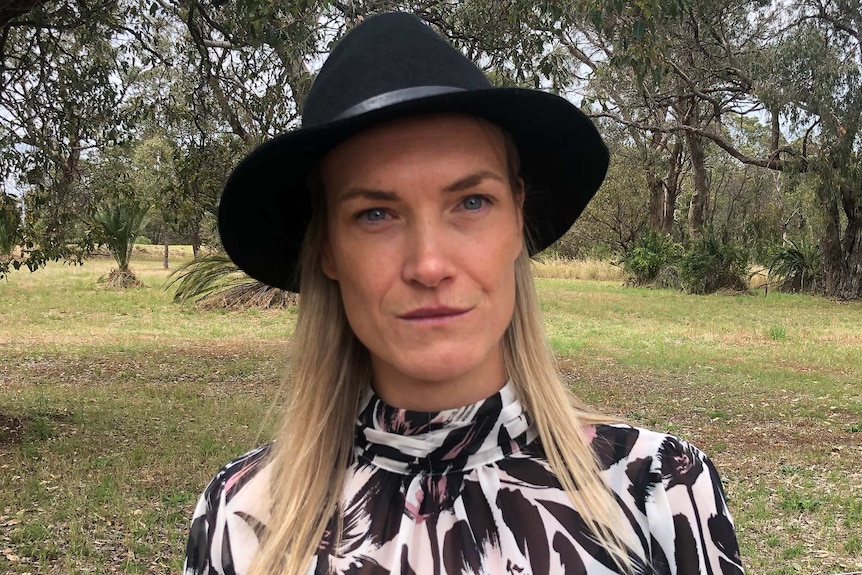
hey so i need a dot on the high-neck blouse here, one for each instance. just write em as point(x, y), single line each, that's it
point(469, 490)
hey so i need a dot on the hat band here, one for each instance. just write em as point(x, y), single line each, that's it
point(395, 97)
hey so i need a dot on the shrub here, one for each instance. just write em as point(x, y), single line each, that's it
point(711, 264)
point(143, 241)
point(649, 255)
point(117, 225)
point(796, 266)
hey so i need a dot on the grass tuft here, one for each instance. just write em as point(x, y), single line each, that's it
point(777, 332)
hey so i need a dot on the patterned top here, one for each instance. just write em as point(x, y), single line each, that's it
point(469, 490)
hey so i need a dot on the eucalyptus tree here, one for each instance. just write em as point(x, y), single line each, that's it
point(65, 70)
point(688, 63)
point(818, 83)
point(10, 225)
point(797, 63)
point(253, 59)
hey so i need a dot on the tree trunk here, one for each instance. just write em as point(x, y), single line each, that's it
point(196, 239)
point(841, 249)
point(656, 203)
point(165, 261)
point(663, 192)
point(700, 197)
point(850, 283)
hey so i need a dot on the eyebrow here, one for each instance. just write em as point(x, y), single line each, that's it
point(464, 183)
point(472, 181)
point(369, 194)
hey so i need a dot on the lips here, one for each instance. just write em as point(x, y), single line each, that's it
point(432, 313)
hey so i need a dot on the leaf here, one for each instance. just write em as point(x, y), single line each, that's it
point(639, 29)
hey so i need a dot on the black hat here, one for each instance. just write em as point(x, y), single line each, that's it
point(390, 66)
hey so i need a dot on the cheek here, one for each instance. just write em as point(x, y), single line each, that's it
point(363, 281)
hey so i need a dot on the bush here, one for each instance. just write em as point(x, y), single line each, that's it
point(796, 266)
point(649, 255)
point(143, 241)
point(711, 264)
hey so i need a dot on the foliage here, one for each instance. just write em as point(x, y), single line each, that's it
point(203, 276)
point(712, 263)
point(214, 281)
point(651, 253)
point(118, 224)
point(10, 224)
point(797, 266)
point(615, 217)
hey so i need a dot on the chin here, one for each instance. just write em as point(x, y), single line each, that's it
point(447, 367)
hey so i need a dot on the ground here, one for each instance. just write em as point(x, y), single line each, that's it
point(116, 407)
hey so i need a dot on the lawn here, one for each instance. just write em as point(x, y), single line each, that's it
point(116, 408)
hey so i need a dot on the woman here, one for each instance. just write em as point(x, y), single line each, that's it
point(426, 429)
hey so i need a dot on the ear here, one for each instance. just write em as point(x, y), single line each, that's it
point(327, 261)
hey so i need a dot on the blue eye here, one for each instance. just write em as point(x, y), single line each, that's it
point(373, 215)
point(473, 203)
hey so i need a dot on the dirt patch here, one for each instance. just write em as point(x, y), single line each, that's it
point(15, 428)
point(11, 429)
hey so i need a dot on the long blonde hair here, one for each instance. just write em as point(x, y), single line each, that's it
point(331, 369)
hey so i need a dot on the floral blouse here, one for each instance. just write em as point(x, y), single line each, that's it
point(469, 490)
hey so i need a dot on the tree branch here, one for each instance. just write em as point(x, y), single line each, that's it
point(773, 162)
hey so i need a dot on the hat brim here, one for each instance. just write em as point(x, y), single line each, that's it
point(265, 207)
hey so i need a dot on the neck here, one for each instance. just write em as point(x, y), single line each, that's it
point(416, 394)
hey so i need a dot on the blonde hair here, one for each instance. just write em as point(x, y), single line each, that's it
point(331, 369)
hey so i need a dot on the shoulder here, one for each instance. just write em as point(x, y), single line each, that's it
point(233, 501)
point(235, 475)
point(616, 444)
point(651, 465)
point(672, 490)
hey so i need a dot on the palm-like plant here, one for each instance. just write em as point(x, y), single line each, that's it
point(796, 265)
point(214, 281)
point(117, 226)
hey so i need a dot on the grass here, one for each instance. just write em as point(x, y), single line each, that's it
point(116, 408)
point(582, 269)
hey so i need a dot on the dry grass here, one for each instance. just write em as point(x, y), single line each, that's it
point(758, 277)
point(116, 279)
point(250, 296)
point(553, 267)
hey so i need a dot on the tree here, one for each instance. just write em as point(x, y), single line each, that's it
point(119, 211)
point(119, 223)
point(799, 62)
point(66, 69)
point(615, 218)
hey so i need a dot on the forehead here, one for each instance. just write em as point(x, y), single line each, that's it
point(436, 145)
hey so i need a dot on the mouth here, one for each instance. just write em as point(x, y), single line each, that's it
point(435, 314)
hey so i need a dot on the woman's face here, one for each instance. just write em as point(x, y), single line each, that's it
point(423, 233)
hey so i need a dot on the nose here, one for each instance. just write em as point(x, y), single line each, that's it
point(428, 260)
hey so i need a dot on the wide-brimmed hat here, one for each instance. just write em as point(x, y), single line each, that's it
point(387, 67)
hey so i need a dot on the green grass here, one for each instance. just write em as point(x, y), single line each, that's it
point(116, 408)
